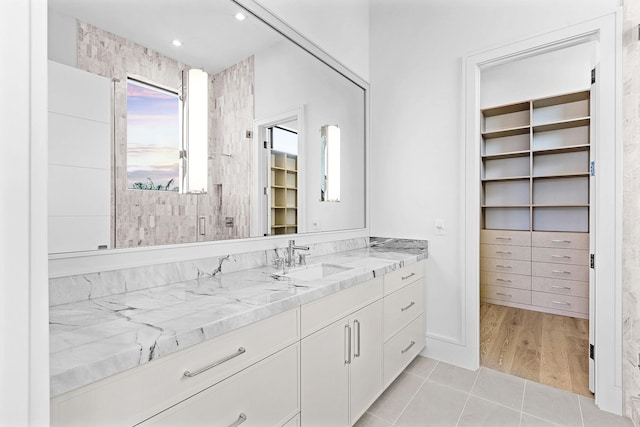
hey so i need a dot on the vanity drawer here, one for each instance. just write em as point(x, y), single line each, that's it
point(265, 394)
point(402, 348)
point(561, 302)
point(561, 256)
point(520, 296)
point(402, 306)
point(320, 313)
point(505, 266)
point(560, 271)
point(559, 286)
point(547, 239)
point(505, 279)
point(506, 237)
point(396, 279)
point(104, 403)
point(522, 253)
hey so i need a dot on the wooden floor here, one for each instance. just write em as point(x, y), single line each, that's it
point(541, 347)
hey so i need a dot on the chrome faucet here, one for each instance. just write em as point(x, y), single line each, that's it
point(291, 252)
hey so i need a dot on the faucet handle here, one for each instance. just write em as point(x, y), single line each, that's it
point(302, 259)
point(278, 262)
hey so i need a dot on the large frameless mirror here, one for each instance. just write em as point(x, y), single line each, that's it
point(183, 121)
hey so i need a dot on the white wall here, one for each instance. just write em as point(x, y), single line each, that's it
point(416, 96)
point(339, 27)
point(62, 38)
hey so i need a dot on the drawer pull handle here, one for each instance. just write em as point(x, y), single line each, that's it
point(357, 352)
point(502, 238)
point(568, 288)
point(406, 277)
point(241, 418)
point(408, 307)
point(503, 294)
point(561, 302)
point(190, 374)
point(503, 280)
point(408, 347)
point(560, 241)
point(561, 256)
point(503, 266)
point(347, 337)
point(560, 272)
point(503, 252)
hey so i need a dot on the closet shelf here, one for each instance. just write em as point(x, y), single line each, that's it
point(509, 178)
point(562, 175)
point(563, 124)
point(507, 155)
point(559, 150)
point(520, 130)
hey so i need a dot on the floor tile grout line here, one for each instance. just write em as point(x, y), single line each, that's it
point(414, 394)
point(475, 380)
point(524, 392)
point(580, 408)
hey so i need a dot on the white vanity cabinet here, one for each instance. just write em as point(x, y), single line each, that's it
point(342, 355)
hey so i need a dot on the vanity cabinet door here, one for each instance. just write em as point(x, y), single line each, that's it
point(366, 362)
point(325, 376)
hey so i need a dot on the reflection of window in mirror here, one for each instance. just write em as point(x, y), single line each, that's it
point(153, 137)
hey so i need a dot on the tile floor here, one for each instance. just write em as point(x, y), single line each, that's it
point(432, 393)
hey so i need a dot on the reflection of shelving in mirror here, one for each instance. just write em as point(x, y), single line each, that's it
point(284, 193)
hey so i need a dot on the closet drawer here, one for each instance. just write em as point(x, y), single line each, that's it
point(560, 256)
point(561, 302)
point(505, 266)
point(501, 293)
point(560, 240)
point(504, 279)
point(266, 394)
point(400, 350)
point(522, 253)
point(402, 306)
point(395, 280)
point(562, 287)
point(506, 237)
point(560, 271)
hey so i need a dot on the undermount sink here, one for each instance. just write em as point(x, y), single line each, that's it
point(317, 271)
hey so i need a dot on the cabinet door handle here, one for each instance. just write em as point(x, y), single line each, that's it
point(502, 238)
point(561, 256)
point(503, 266)
point(560, 271)
point(347, 337)
point(568, 288)
point(241, 418)
point(202, 221)
point(561, 302)
point(406, 277)
point(503, 294)
point(408, 307)
point(408, 347)
point(503, 280)
point(190, 374)
point(504, 252)
point(560, 241)
point(356, 325)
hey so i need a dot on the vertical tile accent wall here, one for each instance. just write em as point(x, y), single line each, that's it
point(631, 205)
point(144, 218)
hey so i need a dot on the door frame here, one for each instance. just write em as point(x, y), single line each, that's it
point(260, 127)
point(607, 206)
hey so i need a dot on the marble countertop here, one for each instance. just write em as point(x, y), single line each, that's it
point(91, 340)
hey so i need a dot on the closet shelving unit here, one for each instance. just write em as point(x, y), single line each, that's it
point(284, 193)
point(535, 202)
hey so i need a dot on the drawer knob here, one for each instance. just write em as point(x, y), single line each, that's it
point(561, 302)
point(408, 347)
point(406, 277)
point(190, 374)
point(241, 418)
point(503, 294)
point(408, 307)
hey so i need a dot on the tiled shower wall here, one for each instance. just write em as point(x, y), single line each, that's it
point(145, 218)
point(631, 206)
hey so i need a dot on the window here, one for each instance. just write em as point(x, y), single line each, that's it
point(154, 137)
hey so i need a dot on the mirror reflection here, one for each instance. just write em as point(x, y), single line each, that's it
point(176, 122)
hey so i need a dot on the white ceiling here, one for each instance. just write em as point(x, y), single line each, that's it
point(211, 36)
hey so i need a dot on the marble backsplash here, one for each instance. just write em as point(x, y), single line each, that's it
point(63, 290)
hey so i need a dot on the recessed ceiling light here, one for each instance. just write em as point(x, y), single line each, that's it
point(240, 16)
point(176, 43)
